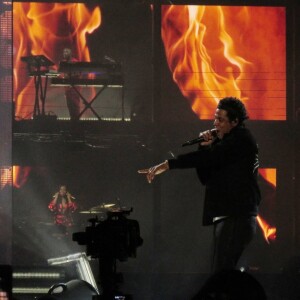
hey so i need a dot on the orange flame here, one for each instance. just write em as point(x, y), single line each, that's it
point(46, 28)
point(20, 175)
point(269, 232)
point(216, 51)
point(269, 175)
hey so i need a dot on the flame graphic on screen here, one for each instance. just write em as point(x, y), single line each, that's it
point(269, 174)
point(268, 231)
point(218, 51)
point(47, 28)
point(20, 175)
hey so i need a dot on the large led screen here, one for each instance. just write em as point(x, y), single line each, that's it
point(211, 52)
point(218, 51)
point(98, 33)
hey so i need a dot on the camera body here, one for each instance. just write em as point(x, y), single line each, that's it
point(116, 237)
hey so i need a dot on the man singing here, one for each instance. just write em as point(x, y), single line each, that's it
point(227, 165)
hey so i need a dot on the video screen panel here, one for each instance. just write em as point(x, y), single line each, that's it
point(99, 33)
point(211, 52)
point(218, 51)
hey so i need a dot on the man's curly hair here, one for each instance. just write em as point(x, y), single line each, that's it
point(235, 109)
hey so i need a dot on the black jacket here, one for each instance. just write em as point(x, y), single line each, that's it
point(228, 168)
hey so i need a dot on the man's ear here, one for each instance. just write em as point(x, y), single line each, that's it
point(235, 122)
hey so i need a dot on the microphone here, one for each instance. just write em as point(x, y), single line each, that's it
point(200, 139)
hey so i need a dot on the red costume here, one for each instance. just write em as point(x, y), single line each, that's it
point(62, 211)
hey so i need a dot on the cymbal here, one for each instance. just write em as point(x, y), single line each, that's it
point(98, 209)
point(103, 205)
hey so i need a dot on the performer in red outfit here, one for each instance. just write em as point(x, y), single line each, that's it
point(72, 97)
point(63, 206)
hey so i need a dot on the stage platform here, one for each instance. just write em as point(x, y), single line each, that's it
point(36, 140)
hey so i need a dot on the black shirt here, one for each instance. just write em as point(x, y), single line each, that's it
point(228, 168)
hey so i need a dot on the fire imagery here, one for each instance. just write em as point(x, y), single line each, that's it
point(269, 175)
point(16, 176)
point(47, 28)
point(269, 232)
point(20, 175)
point(218, 51)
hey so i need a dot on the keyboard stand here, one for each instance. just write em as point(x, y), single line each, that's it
point(88, 104)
